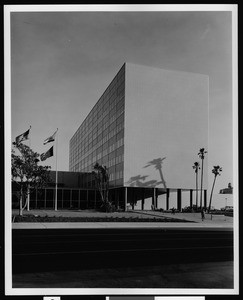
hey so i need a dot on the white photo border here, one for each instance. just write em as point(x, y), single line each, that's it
point(7, 112)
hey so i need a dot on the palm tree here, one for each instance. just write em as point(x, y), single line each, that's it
point(102, 178)
point(216, 171)
point(201, 154)
point(196, 166)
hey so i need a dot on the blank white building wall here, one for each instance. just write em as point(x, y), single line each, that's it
point(166, 123)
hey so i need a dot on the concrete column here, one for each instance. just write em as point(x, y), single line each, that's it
point(191, 198)
point(156, 193)
point(125, 198)
point(167, 198)
point(179, 199)
point(155, 199)
point(71, 193)
point(117, 198)
point(205, 199)
point(142, 199)
point(131, 197)
point(87, 199)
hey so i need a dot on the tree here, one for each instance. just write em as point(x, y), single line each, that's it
point(102, 178)
point(216, 171)
point(201, 154)
point(196, 167)
point(26, 173)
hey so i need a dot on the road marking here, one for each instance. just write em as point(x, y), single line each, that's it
point(122, 250)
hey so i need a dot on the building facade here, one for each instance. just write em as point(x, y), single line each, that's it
point(147, 128)
point(100, 138)
point(75, 191)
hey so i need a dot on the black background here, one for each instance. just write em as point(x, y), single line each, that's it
point(2, 195)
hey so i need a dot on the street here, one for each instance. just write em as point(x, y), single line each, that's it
point(204, 275)
point(36, 250)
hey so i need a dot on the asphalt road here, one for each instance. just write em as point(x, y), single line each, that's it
point(36, 250)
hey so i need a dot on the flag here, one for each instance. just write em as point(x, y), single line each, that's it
point(22, 137)
point(47, 154)
point(50, 139)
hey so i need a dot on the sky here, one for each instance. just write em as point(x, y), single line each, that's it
point(62, 62)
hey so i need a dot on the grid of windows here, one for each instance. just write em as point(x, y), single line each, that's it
point(100, 138)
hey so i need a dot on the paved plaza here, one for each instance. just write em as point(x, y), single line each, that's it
point(210, 220)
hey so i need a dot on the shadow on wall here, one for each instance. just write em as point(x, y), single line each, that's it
point(157, 163)
point(140, 181)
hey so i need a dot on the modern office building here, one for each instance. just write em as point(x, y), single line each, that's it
point(75, 191)
point(147, 128)
point(100, 138)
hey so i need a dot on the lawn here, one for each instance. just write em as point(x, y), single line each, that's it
point(92, 218)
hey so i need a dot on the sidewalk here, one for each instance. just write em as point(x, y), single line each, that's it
point(195, 217)
point(215, 222)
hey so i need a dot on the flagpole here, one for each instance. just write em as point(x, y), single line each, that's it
point(28, 195)
point(29, 137)
point(56, 173)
